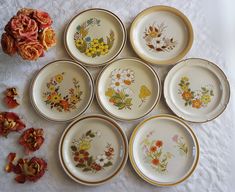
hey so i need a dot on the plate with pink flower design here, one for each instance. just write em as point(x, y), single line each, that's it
point(128, 89)
point(163, 150)
point(93, 150)
point(196, 90)
point(95, 37)
point(62, 90)
point(161, 35)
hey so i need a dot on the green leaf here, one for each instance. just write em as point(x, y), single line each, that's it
point(101, 40)
point(108, 164)
point(86, 169)
point(89, 161)
point(203, 88)
point(88, 132)
point(92, 135)
point(74, 148)
point(80, 165)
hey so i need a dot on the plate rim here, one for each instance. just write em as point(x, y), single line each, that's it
point(124, 40)
point(125, 147)
point(157, 100)
point(31, 97)
point(143, 176)
point(226, 81)
point(175, 11)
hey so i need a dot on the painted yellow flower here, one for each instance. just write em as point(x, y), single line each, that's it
point(184, 88)
point(105, 49)
point(185, 79)
point(84, 145)
point(89, 52)
point(110, 92)
point(55, 98)
point(206, 99)
point(73, 99)
point(59, 78)
point(144, 92)
point(52, 88)
point(79, 42)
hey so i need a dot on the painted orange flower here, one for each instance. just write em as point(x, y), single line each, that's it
point(81, 156)
point(159, 143)
point(187, 95)
point(64, 104)
point(153, 149)
point(155, 161)
point(196, 103)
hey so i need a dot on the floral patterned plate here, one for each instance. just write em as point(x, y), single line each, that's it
point(93, 149)
point(196, 90)
point(161, 35)
point(128, 89)
point(163, 150)
point(62, 90)
point(95, 37)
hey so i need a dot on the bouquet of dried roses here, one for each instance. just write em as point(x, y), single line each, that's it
point(28, 33)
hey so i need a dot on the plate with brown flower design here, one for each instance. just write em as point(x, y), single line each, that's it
point(128, 89)
point(161, 35)
point(95, 37)
point(163, 150)
point(62, 90)
point(196, 90)
point(93, 150)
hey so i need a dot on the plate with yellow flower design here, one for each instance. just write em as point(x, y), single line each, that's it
point(128, 89)
point(196, 90)
point(93, 149)
point(94, 37)
point(161, 35)
point(163, 150)
point(62, 90)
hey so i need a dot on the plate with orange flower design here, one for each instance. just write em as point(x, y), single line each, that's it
point(163, 150)
point(95, 37)
point(161, 35)
point(62, 90)
point(128, 89)
point(196, 90)
point(93, 149)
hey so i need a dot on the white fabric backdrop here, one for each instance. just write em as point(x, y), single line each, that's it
point(212, 22)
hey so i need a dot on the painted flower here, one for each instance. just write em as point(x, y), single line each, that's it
point(159, 143)
point(30, 50)
point(117, 84)
point(79, 42)
point(9, 122)
point(81, 156)
point(31, 139)
point(42, 18)
point(110, 92)
point(47, 38)
point(96, 166)
point(175, 138)
point(117, 74)
point(8, 44)
point(187, 95)
point(51, 88)
point(185, 78)
point(89, 52)
point(101, 160)
point(153, 149)
point(104, 50)
point(128, 74)
point(59, 78)
point(55, 98)
point(196, 103)
point(184, 88)
point(84, 145)
point(206, 99)
point(153, 32)
point(155, 161)
point(64, 104)
point(144, 92)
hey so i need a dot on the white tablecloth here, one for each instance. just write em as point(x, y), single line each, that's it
point(212, 26)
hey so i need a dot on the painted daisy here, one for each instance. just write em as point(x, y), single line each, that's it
point(117, 84)
point(128, 76)
point(101, 160)
point(117, 74)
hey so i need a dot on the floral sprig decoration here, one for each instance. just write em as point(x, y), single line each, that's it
point(29, 34)
point(31, 139)
point(26, 169)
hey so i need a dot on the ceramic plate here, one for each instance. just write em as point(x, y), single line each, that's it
point(161, 35)
point(95, 37)
point(62, 90)
point(163, 150)
point(93, 149)
point(128, 89)
point(196, 90)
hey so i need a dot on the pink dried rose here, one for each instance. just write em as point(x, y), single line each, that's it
point(26, 11)
point(10, 122)
point(26, 169)
point(47, 38)
point(31, 139)
point(8, 44)
point(30, 50)
point(10, 99)
point(43, 18)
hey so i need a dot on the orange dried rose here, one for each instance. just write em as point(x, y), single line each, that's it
point(47, 38)
point(9, 98)
point(8, 44)
point(26, 11)
point(43, 18)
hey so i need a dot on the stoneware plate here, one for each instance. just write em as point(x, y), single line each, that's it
point(62, 90)
point(163, 150)
point(128, 89)
point(196, 90)
point(93, 149)
point(95, 37)
point(161, 35)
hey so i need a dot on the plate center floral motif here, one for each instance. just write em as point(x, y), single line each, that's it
point(198, 98)
point(92, 47)
point(54, 98)
point(120, 91)
point(86, 161)
point(156, 39)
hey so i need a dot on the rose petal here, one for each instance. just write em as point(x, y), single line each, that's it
point(20, 178)
point(10, 102)
point(11, 157)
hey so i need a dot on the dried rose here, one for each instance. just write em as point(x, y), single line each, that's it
point(23, 27)
point(10, 122)
point(8, 44)
point(47, 38)
point(26, 11)
point(9, 98)
point(31, 139)
point(30, 50)
point(43, 18)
